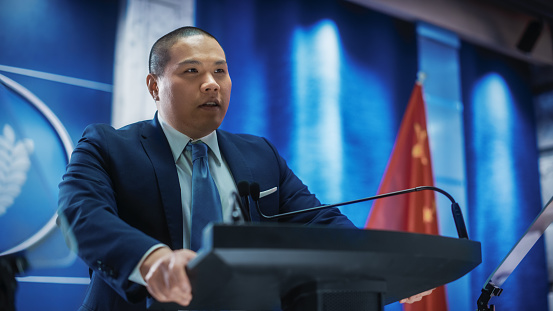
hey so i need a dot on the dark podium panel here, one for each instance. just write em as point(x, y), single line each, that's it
point(254, 267)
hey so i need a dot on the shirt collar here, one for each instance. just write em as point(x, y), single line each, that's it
point(178, 141)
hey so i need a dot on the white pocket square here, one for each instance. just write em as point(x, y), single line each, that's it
point(267, 192)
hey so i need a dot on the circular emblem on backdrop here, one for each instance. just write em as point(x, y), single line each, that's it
point(34, 151)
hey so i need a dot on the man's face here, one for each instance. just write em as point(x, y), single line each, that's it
point(193, 93)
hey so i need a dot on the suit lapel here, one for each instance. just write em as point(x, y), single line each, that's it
point(236, 160)
point(157, 148)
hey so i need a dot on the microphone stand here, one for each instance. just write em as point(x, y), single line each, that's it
point(488, 292)
point(455, 209)
point(514, 257)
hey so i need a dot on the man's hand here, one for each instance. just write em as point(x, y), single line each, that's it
point(416, 297)
point(165, 275)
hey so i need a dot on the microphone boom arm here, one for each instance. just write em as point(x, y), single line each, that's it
point(455, 209)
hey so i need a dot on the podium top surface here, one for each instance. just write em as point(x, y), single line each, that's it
point(250, 267)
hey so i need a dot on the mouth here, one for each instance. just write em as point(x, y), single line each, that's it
point(211, 104)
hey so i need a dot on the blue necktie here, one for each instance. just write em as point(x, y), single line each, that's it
point(206, 203)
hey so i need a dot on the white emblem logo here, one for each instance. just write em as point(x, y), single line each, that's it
point(14, 164)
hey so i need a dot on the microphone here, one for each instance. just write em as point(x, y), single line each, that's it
point(455, 209)
point(255, 191)
point(244, 191)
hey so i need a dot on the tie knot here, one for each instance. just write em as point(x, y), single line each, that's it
point(199, 150)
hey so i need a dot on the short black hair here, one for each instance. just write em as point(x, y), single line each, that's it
point(159, 54)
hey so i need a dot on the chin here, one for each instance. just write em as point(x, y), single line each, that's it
point(208, 128)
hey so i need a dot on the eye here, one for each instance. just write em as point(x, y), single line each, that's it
point(220, 70)
point(193, 70)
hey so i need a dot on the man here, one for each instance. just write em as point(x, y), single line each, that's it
point(125, 201)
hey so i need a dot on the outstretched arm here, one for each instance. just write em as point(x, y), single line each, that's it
point(164, 271)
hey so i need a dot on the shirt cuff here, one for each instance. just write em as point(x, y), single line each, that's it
point(136, 276)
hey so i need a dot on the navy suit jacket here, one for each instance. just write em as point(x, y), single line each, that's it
point(120, 196)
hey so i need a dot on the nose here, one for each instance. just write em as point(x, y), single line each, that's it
point(210, 85)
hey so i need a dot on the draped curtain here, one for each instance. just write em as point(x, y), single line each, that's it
point(502, 172)
point(326, 81)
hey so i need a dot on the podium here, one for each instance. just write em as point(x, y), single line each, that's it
point(268, 267)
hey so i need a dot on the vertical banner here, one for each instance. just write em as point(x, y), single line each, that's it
point(410, 166)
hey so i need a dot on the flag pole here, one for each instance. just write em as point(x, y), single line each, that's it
point(421, 77)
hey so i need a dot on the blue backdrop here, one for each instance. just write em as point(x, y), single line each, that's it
point(502, 172)
point(62, 51)
point(327, 82)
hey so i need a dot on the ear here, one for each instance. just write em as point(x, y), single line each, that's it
point(151, 82)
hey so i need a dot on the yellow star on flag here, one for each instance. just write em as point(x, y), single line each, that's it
point(418, 148)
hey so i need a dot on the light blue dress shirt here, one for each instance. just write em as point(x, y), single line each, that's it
point(183, 161)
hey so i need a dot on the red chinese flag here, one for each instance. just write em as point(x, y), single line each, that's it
point(410, 167)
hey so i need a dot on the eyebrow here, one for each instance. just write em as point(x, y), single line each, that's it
point(196, 62)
